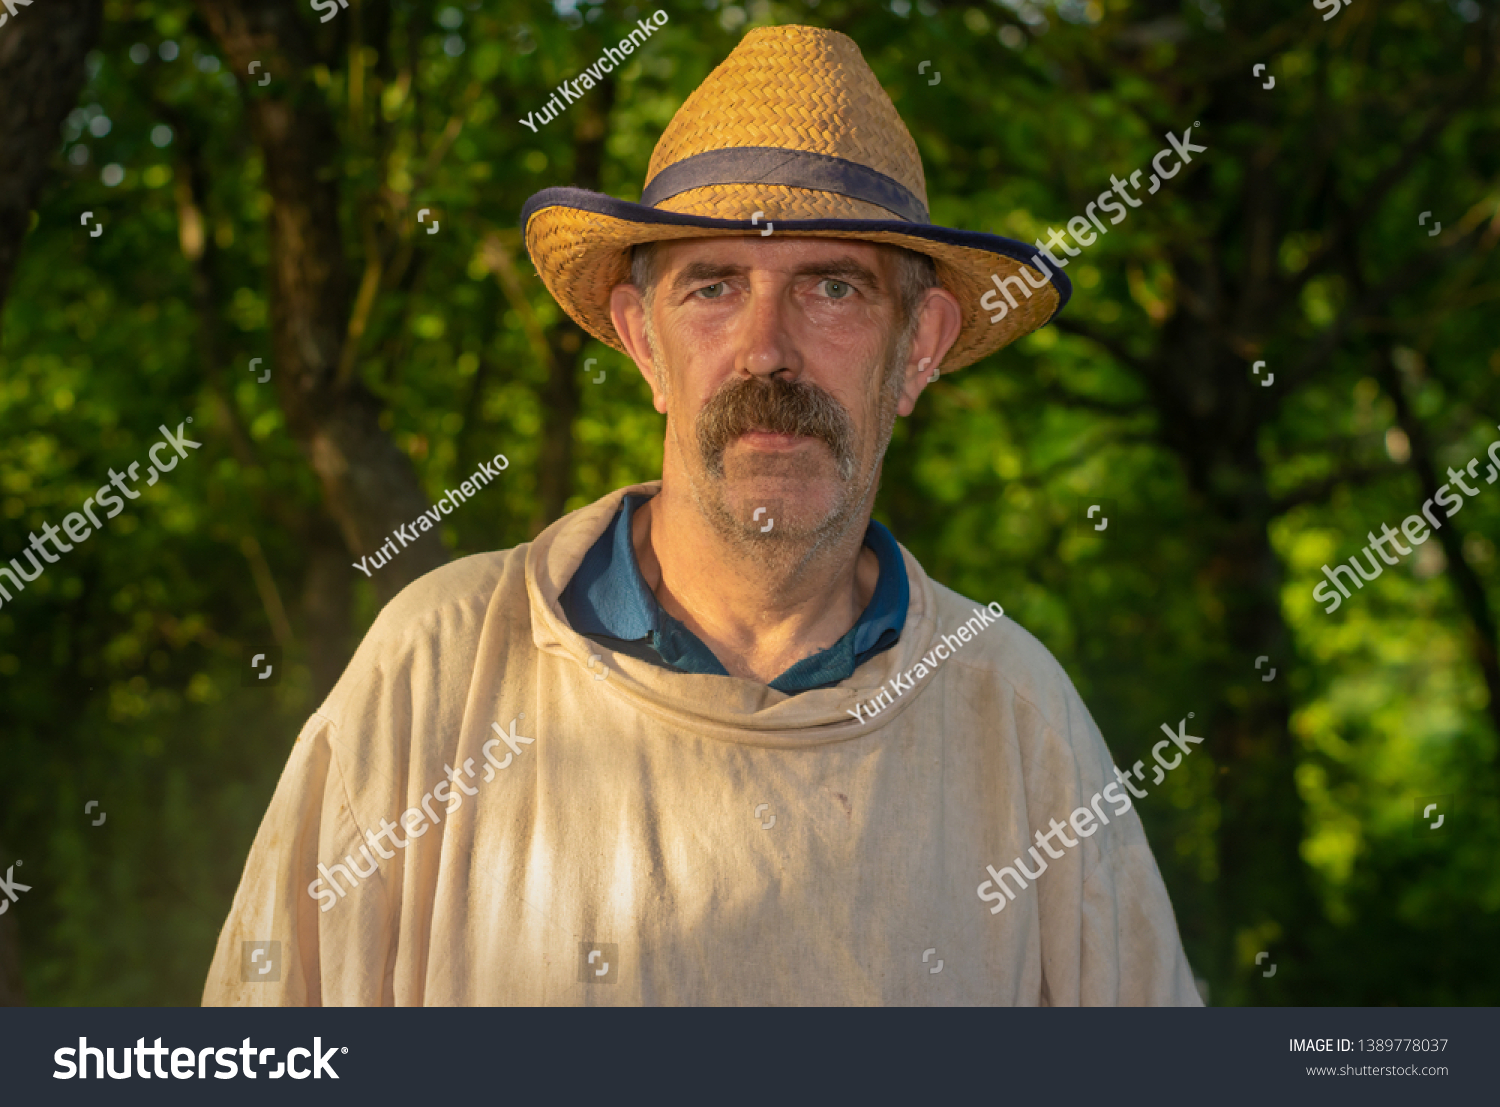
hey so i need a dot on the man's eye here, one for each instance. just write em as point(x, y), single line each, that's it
point(836, 290)
point(713, 291)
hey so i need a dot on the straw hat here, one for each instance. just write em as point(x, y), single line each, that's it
point(795, 126)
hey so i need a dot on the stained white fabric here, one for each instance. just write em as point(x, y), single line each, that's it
point(708, 839)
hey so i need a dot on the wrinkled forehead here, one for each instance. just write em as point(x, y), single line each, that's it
point(770, 251)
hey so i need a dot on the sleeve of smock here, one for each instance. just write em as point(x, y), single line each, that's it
point(1131, 953)
point(1116, 943)
point(327, 949)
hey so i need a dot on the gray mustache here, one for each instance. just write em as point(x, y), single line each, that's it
point(778, 407)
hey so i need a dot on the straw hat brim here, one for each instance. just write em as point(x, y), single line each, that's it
point(579, 241)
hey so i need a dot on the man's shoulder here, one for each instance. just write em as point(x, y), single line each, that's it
point(454, 593)
point(439, 618)
point(1001, 647)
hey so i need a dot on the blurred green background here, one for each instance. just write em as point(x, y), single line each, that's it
point(279, 221)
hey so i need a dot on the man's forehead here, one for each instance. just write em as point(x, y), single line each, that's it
point(769, 252)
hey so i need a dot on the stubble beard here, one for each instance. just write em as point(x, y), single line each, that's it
point(800, 408)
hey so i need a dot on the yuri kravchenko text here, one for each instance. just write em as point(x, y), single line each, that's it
point(429, 519)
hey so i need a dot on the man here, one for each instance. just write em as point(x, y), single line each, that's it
point(718, 739)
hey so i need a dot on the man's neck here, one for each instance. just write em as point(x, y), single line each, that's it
point(758, 617)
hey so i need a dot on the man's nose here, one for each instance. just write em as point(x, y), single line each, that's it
point(766, 343)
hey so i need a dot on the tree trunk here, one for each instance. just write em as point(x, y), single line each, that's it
point(327, 601)
point(1211, 418)
point(41, 70)
point(369, 486)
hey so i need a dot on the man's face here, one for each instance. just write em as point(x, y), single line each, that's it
point(777, 364)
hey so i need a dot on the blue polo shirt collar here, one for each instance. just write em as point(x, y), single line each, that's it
point(608, 598)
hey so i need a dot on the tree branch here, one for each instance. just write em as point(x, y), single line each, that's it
point(1373, 196)
point(1466, 583)
point(1406, 277)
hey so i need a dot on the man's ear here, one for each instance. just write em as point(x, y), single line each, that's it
point(627, 309)
point(940, 319)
